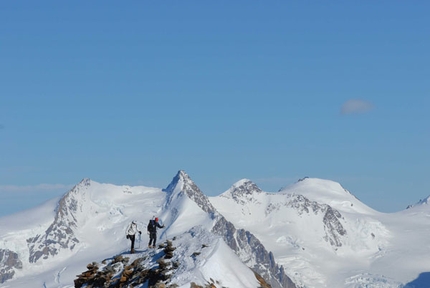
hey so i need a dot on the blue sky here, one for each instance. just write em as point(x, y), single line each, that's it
point(131, 92)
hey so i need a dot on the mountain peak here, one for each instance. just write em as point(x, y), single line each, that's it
point(82, 185)
point(328, 192)
point(182, 184)
point(322, 185)
point(178, 182)
point(242, 190)
point(85, 182)
point(244, 186)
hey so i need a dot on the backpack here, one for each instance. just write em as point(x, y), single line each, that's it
point(151, 226)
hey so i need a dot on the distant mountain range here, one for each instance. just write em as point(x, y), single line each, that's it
point(314, 233)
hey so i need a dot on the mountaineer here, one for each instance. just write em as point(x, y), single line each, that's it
point(152, 231)
point(131, 234)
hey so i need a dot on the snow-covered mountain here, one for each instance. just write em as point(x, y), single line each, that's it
point(50, 245)
point(325, 237)
point(314, 233)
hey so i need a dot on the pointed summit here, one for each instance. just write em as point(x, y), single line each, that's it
point(178, 182)
point(182, 184)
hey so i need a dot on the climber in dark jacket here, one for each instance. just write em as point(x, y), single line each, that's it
point(152, 231)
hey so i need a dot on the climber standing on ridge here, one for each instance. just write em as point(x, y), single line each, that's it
point(131, 234)
point(152, 231)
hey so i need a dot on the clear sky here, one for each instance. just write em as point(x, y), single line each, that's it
point(130, 92)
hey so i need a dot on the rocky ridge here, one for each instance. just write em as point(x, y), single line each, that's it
point(8, 262)
point(331, 220)
point(60, 234)
point(250, 250)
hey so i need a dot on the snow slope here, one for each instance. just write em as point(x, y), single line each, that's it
point(53, 243)
point(320, 233)
point(325, 237)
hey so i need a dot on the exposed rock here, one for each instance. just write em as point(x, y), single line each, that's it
point(242, 242)
point(9, 261)
point(60, 234)
point(333, 228)
point(243, 192)
point(250, 250)
point(117, 272)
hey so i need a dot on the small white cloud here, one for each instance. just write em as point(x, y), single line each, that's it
point(356, 106)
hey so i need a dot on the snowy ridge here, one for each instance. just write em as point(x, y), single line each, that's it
point(61, 233)
point(314, 233)
point(325, 237)
point(330, 193)
point(204, 256)
point(421, 204)
point(252, 252)
point(89, 222)
point(242, 242)
point(182, 183)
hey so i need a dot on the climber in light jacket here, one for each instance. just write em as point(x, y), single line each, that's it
point(131, 234)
